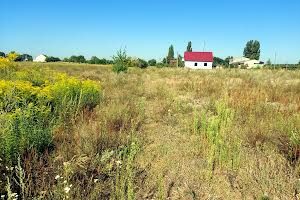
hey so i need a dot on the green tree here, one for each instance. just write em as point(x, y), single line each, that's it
point(152, 62)
point(189, 47)
point(81, 59)
point(170, 54)
point(52, 59)
point(269, 62)
point(77, 59)
point(252, 50)
point(180, 61)
point(2, 54)
point(142, 63)
point(121, 61)
point(94, 60)
point(220, 62)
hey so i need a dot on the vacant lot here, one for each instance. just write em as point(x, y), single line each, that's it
point(172, 134)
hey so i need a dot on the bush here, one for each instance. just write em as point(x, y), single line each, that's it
point(121, 61)
point(142, 63)
point(119, 67)
point(152, 62)
point(33, 102)
point(6, 68)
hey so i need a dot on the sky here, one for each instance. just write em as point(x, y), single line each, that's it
point(146, 28)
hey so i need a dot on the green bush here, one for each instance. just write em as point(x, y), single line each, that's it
point(142, 63)
point(119, 67)
point(152, 62)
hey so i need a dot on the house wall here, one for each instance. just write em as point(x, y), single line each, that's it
point(40, 58)
point(200, 65)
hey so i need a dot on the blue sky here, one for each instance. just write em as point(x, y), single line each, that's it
point(148, 27)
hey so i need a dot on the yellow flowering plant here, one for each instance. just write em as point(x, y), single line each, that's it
point(33, 101)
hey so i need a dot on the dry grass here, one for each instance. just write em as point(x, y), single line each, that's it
point(166, 111)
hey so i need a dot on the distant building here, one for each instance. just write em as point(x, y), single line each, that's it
point(198, 60)
point(40, 58)
point(242, 61)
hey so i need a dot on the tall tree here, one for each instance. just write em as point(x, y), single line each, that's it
point(2, 54)
point(189, 47)
point(252, 50)
point(170, 54)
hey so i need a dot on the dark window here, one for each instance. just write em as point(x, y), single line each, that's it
point(196, 64)
point(205, 64)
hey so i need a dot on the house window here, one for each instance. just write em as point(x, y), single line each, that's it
point(196, 64)
point(205, 64)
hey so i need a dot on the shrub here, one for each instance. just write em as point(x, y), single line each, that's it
point(142, 63)
point(33, 102)
point(6, 68)
point(119, 67)
point(121, 61)
point(152, 62)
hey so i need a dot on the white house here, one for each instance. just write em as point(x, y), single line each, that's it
point(246, 62)
point(40, 58)
point(198, 60)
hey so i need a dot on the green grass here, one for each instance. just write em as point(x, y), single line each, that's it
point(172, 133)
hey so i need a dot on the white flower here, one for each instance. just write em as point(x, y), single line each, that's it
point(57, 177)
point(95, 180)
point(67, 189)
point(119, 162)
point(65, 181)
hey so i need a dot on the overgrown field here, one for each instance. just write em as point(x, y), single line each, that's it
point(81, 131)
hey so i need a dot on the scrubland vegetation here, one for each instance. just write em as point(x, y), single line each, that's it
point(81, 131)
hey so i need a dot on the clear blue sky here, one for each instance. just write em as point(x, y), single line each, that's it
point(148, 27)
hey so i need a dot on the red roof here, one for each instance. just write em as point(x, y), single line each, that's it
point(199, 56)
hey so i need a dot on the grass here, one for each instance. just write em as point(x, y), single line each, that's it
point(172, 134)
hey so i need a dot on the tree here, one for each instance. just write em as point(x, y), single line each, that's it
point(252, 50)
point(180, 61)
point(227, 61)
point(94, 60)
point(189, 47)
point(2, 54)
point(269, 62)
point(220, 62)
point(142, 63)
point(152, 62)
point(81, 59)
point(52, 59)
point(170, 54)
point(121, 61)
point(77, 59)
point(24, 57)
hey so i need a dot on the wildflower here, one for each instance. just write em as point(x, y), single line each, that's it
point(95, 180)
point(67, 189)
point(65, 181)
point(57, 177)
